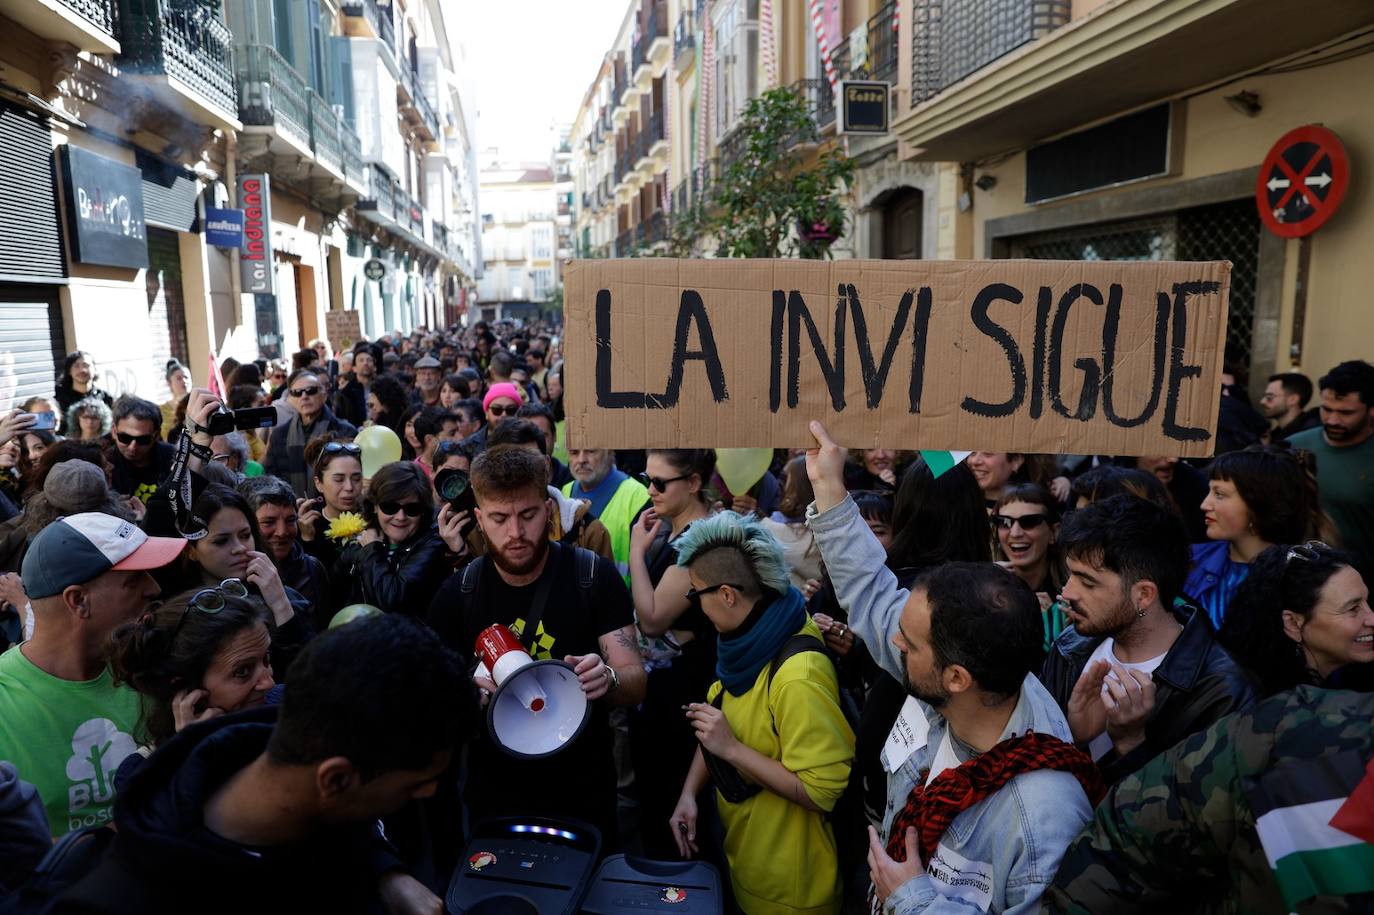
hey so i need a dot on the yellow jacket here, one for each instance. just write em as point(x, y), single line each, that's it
point(782, 856)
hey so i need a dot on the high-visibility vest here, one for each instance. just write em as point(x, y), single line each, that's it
point(619, 517)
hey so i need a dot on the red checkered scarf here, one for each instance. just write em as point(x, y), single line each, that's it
point(931, 808)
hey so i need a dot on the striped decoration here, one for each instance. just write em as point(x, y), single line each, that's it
point(705, 100)
point(823, 40)
point(669, 90)
point(770, 56)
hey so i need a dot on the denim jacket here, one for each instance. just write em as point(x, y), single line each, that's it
point(1000, 854)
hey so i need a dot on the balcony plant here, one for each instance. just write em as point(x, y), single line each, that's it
point(778, 197)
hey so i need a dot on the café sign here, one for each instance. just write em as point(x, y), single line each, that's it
point(104, 200)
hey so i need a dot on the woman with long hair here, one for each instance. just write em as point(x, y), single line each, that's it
point(788, 525)
point(76, 381)
point(1302, 616)
point(232, 548)
point(387, 403)
point(1256, 498)
point(681, 640)
point(202, 653)
point(336, 466)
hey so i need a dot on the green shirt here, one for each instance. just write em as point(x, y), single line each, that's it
point(65, 737)
point(1345, 486)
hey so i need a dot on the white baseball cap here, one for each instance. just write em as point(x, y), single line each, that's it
point(79, 548)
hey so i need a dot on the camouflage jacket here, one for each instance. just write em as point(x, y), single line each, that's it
point(1179, 835)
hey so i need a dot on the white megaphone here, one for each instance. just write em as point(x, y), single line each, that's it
point(538, 707)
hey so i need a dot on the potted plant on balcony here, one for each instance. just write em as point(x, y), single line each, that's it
point(778, 193)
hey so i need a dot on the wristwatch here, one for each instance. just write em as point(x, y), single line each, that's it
point(613, 677)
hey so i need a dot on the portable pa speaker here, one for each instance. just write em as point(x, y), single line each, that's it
point(518, 865)
point(538, 707)
point(626, 884)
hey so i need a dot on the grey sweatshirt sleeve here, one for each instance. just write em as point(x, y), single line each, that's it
point(866, 588)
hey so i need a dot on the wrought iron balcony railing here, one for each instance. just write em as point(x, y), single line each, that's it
point(182, 39)
point(685, 34)
point(381, 195)
point(99, 13)
point(351, 154)
point(325, 138)
point(882, 42)
point(272, 93)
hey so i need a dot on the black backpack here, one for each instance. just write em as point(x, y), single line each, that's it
point(847, 817)
point(75, 855)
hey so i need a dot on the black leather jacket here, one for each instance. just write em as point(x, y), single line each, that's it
point(396, 581)
point(1197, 683)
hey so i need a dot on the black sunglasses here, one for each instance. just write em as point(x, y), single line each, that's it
point(1027, 522)
point(210, 601)
point(694, 596)
point(659, 483)
point(500, 409)
point(127, 439)
point(411, 509)
point(338, 448)
point(306, 392)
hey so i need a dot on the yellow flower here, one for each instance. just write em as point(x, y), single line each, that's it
point(345, 527)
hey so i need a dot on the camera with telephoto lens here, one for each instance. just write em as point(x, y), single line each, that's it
point(454, 487)
point(223, 421)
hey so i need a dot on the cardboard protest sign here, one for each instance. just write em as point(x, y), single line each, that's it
point(1081, 357)
point(343, 328)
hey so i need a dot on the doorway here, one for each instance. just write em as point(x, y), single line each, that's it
point(902, 216)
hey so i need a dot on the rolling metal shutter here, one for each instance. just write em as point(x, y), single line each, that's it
point(30, 239)
point(166, 304)
point(30, 343)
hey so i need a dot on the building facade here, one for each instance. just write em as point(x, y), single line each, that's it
point(520, 236)
point(1069, 129)
point(130, 132)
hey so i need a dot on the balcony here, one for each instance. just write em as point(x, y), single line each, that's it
point(820, 99)
point(882, 43)
point(273, 95)
point(183, 54)
point(87, 25)
point(1117, 58)
point(653, 230)
point(685, 39)
point(366, 19)
point(325, 138)
point(417, 109)
point(351, 153)
point(381, 194)
point(625, 243)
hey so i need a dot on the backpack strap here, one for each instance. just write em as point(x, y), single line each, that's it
point(472, 574)
point(586, 568)
point(794, 646)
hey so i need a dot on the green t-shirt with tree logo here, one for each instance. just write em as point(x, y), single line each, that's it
point(66, 738)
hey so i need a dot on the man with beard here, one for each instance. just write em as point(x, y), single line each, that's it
point(580, 613)
point(617, 499)
point(429, 378)
point(1139, 668)
point(984, 790)
point(1285, 405)
point(1344, 448)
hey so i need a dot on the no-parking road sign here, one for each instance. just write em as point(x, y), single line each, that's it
point(1302, 181)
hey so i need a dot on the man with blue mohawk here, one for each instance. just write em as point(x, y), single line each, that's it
point(774, 741)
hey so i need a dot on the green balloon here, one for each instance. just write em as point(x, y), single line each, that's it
point(353, 613)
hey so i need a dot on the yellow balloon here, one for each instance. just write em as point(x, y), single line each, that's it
point(380, 446)
point(741, 468)
point(353, 613)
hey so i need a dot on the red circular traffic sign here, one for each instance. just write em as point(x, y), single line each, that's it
point(1302, 181)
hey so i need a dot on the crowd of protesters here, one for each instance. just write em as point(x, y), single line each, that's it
point(1026, 682)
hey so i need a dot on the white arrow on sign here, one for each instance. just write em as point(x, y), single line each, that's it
point(1277, 183)
point(1321, 180)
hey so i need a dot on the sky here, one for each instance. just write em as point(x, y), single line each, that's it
point(531, 62)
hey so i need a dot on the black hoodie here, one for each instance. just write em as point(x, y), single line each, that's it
point(166, 861)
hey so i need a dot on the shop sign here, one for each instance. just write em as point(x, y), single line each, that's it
point(374, 269)
point(223, 228)
point(1302, 181)
point(255, 263)
point(864, 106)
point(104, 210)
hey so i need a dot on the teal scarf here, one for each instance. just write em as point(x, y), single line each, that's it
point(744, 652)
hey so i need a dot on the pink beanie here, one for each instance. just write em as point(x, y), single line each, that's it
point(504, 389)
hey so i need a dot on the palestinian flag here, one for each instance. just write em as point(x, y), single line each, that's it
point(1315, 819)
point(941, 461)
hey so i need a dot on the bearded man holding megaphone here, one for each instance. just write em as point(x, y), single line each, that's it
point(549, 631)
